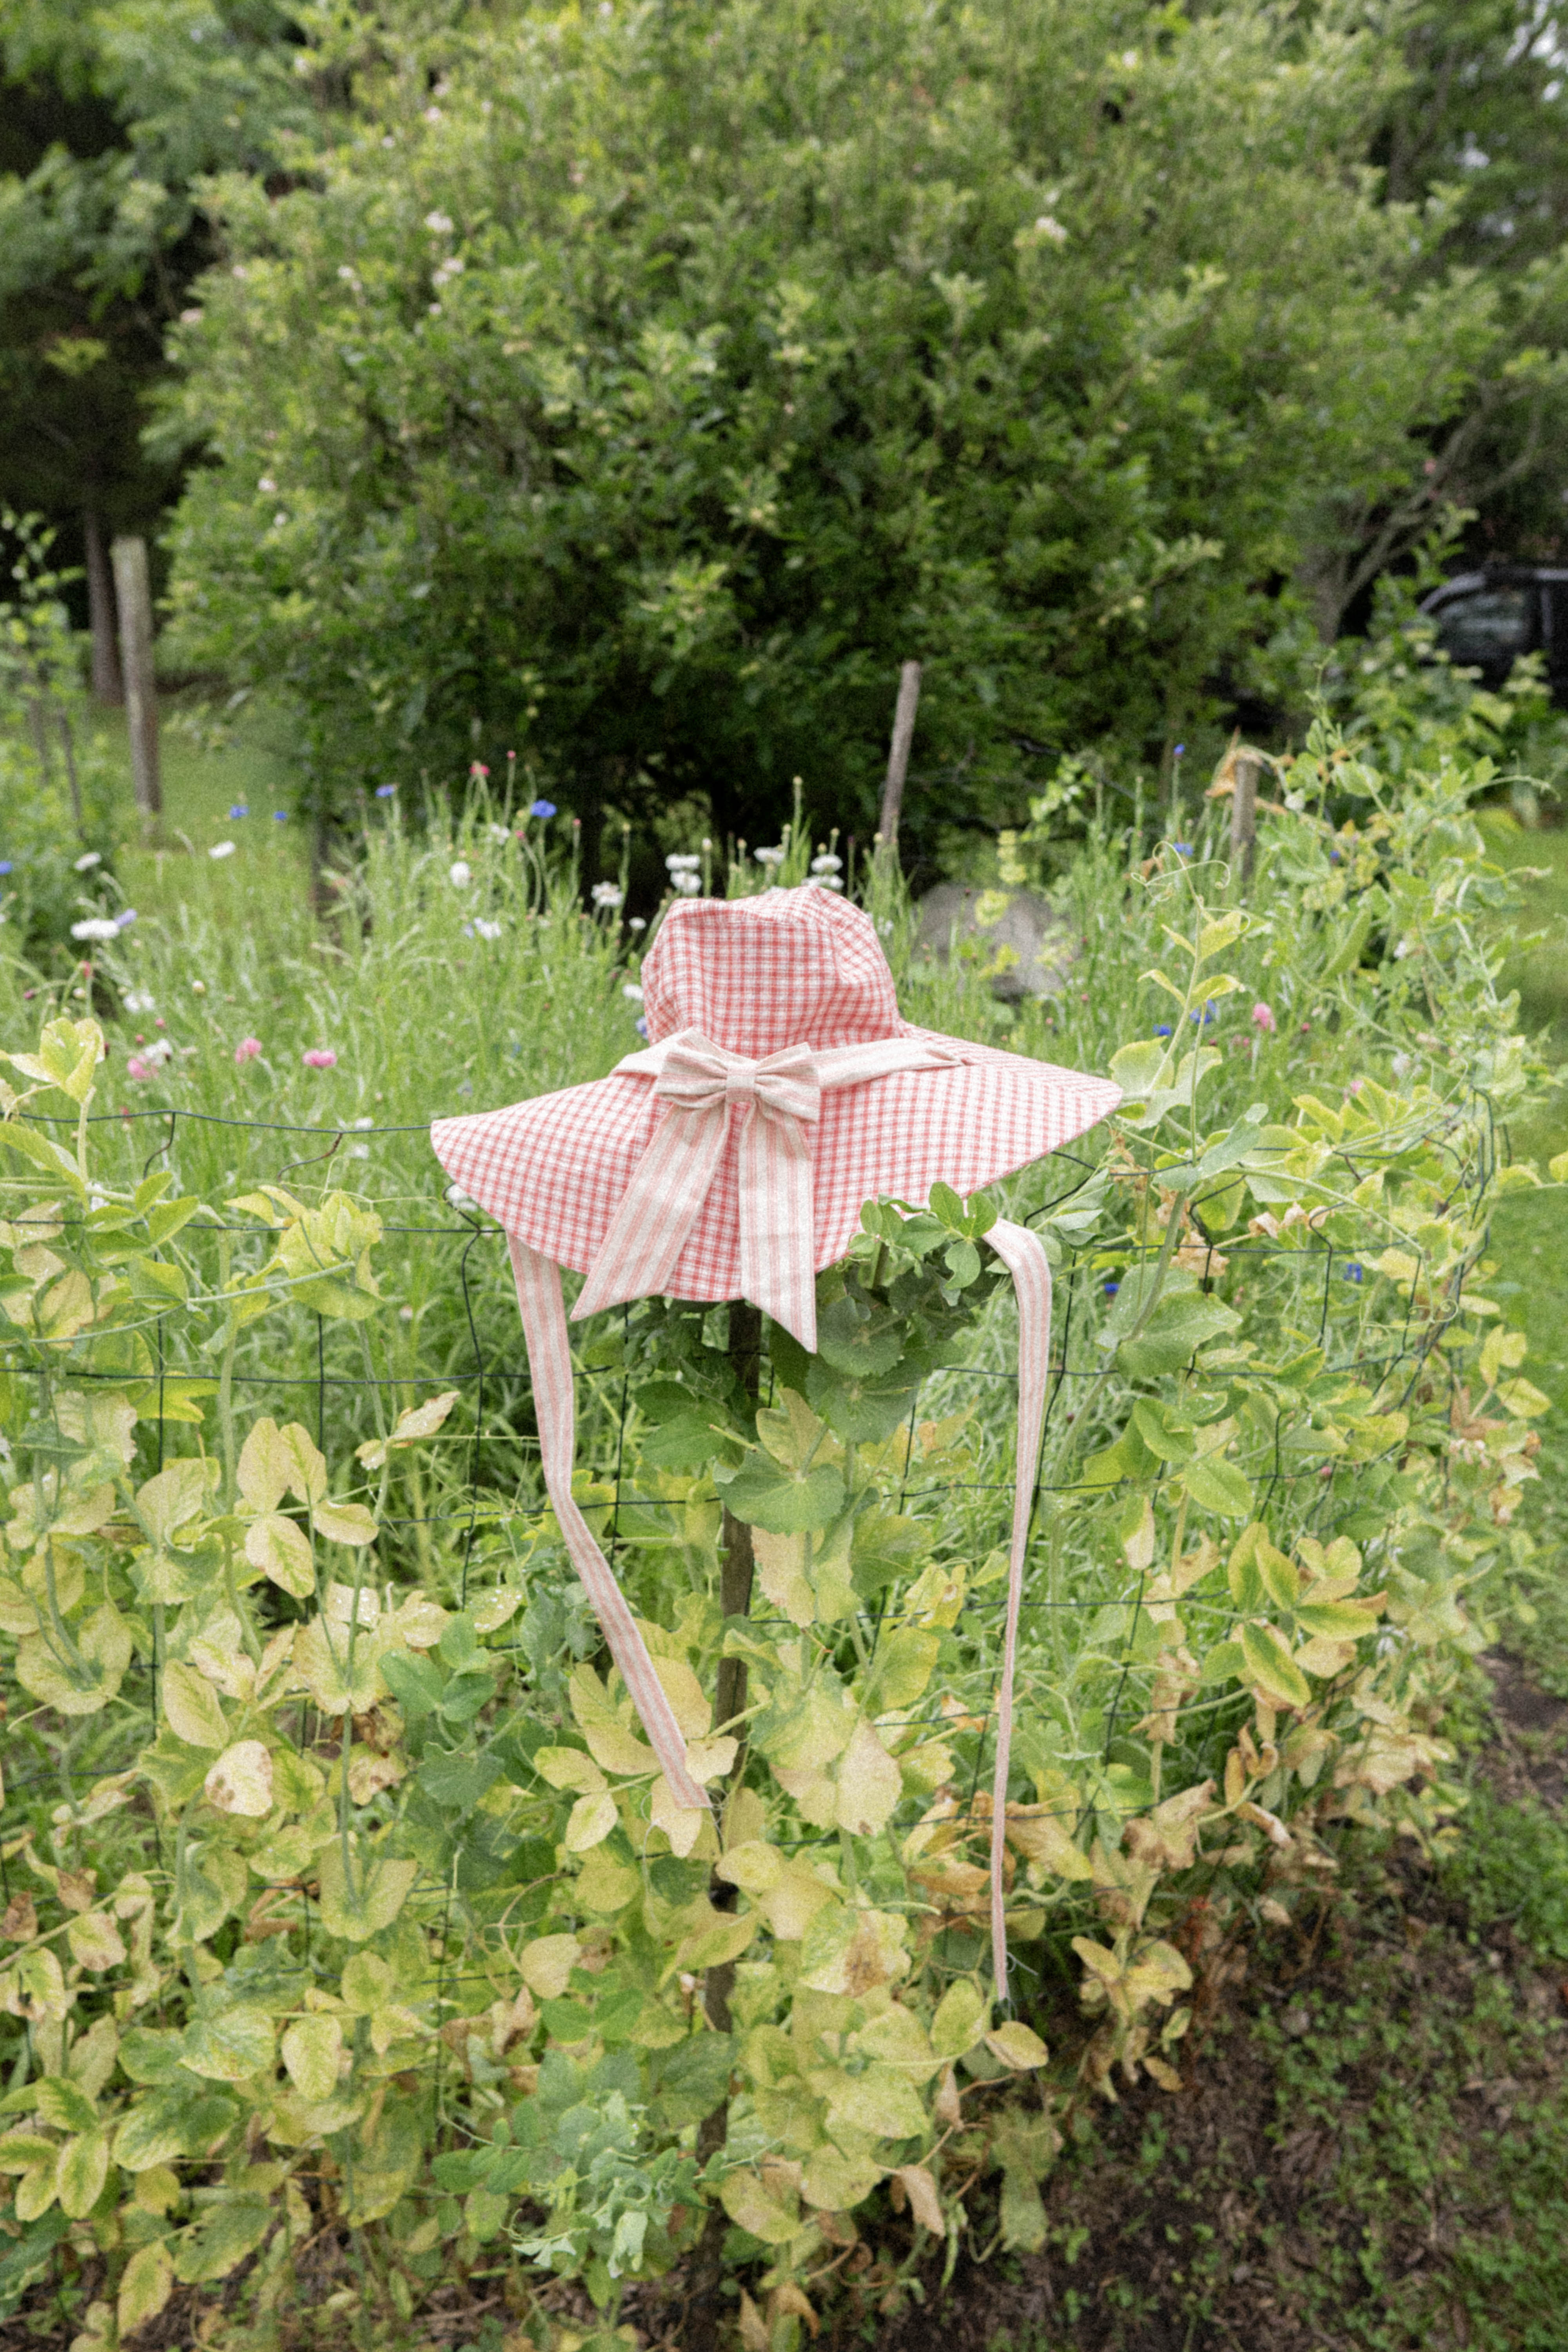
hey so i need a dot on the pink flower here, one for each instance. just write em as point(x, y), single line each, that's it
point(320, 1057)
point(1263, 1019)
point(478, 769)
point(247, 1050)
point(137, 1068)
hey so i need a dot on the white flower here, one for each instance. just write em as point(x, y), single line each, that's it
point(678, 864)
point(362, 1124)
point(606, 894)
point(459, 873)
point(451, 267)
point(486, 931)
point(1406, 947)
point(221, 849)
point(97, 927)
point(1049, 225)
point(437, 223)
point(637, 923)
point(159, 1050)
point(458, 1198)
point(268, 484)
point(689, 884)
point(88, 860)
point(770, 858)
point(1296, 802)
point(632, 993)
point(1401, 1065)
point(498, 832)
point(826, 862)
point(827, 881)
point(140, 1000)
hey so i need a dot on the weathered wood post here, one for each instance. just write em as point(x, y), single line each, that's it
point(1243, 814)
point(133, 592)
point(899, 755)
point(106, 680)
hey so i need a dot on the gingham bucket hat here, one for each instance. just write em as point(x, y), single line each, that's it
point(779, 1091)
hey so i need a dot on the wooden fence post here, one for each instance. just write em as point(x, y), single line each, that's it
point(1243, 814)
point(105, 684)
point(899, 754)
point(134, 595)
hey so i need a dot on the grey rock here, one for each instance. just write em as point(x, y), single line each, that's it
point(1024, 944)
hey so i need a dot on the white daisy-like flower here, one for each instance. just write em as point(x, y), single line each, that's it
point(95, 926)
point(637, 923)
point(770, 858)
point(826, 862)
point(88, 860)
point(678, 863)
point(140, 1000)
point(222, 849)
point(459, 873)
point(689, 884)
point(437, 224)
point(632, 993)
point(459, 1198)
point(606, 894)
point(485, 929)
point(498, 832)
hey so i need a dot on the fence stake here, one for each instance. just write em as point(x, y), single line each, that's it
point(105, 684)
point(134, 594)
point(1244, 814)
point(899, 754)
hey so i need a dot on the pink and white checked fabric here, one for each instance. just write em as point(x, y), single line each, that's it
point(780, 1092)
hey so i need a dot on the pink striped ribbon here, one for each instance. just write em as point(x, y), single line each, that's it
point(702, 1088)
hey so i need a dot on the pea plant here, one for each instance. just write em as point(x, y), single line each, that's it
point(350, 1933)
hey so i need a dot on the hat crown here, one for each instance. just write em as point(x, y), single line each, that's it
point(787, 968)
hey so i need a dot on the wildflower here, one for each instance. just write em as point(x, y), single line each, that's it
point(826, 862)
point(1050, 227)
point(1401, 1065)
point(268, 484)
point(247, 1051)
point(198, 988)
point(608, 894)
point(541, 808)
point(319, 1057)
point(1295, 802)
point(1353, 1273)
point(1164, 1030)
point(437, 223)
point(191, 317)
point(641, 1027)
point(459, 873)
point(126, 916)
point(140, 1000)
point(632, 993)
point(1179, 753)
point(497, 833)
point(676, 864)
point(88, 860)
point(459, 1199)
point(1183, 849)
point(770, 858)
point(483, 930)
point(280, 816)
point(689, 884)
point(95, 926)
point(6, 864)
point(1205, 1016)
point(1111, 1289)
point(384, 792)
point(137, 1068)
point(637, 923)
point(478, 769)
point(240, 808)
point(221, 849)
point(1263, 1019)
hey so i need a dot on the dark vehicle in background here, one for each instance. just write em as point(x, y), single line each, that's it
point(1485, 619)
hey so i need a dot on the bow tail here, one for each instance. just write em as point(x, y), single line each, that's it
point(658, 1208)
point(1023, 1253)
point(550, 1362)
point(778, 1223)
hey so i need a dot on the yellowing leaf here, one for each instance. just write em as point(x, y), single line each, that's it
point(1271, 1667)
point(1016, 2045)
point(877, 2100)
point(304, 1465)
point(145, 2286)
point(313, 2047)
point(850, 1950)
point(682, 1824)
point(748, 2202)
point(241, 1780)
point(168, 1503)
point(869, 1783)
point(81, 2171)
point(780, 1572)
point(280, 1548)
point(684, 1692)
point(263, 1466)
point(568, 1768)
point(418, 1421)
point(322, 1661)
point(589, 1824)
point(194, 1710)
point(610, 1741)
point(231, 2046)
point(546, 1963)
point(345, 1523)
point(358, 1901)
point(1524, 1399)
point(960, 2018)
point(95, 1941)
point(836, 2181)
point(709, 1759)
point(925, 2204)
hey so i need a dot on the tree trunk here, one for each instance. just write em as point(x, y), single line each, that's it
point(134, 596)
point(107, 683)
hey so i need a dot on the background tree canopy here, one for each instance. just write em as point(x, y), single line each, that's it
point(634, 387)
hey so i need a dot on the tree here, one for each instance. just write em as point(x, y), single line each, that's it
point(635, 390)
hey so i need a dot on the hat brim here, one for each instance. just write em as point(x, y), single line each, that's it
point(553, 1170)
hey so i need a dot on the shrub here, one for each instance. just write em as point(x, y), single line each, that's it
point(342, 1893)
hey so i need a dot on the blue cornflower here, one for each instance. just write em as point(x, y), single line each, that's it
point(1352, 1273)
point(1179, 750)
point(1164, 1030)
point(1334, 858)
point(640, 1025)
point(1111, 1289)
point(1183, 849)
point(384, 792)
point(543, 808)
point(280, 816)
point(1206, 1015)
point(126, 916)
point(5, 865)
point(240, 808)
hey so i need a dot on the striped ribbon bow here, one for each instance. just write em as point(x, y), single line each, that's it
point(702, 1088)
